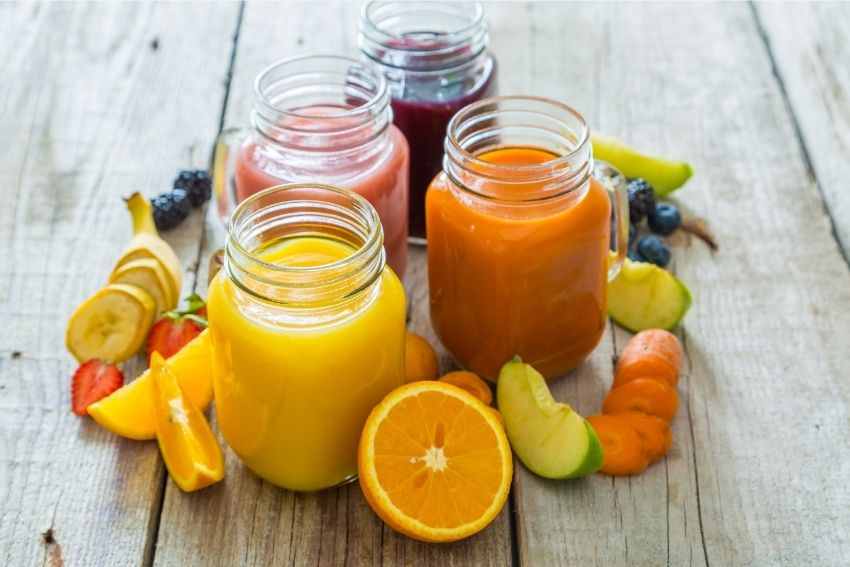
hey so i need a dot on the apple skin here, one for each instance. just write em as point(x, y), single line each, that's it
point(540, 429)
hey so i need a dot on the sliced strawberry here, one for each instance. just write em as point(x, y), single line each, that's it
point(176, 328)
point(93, 381)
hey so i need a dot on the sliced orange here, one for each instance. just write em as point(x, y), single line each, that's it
point(470, 382)
point(188, 446)
point(434, 462)
point(129, 411)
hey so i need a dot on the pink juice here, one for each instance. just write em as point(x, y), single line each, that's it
point(376, 167)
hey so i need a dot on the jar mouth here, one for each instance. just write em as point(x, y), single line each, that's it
point(518, 122)
point(422, 35)
point(298, 210)
point(334, 81)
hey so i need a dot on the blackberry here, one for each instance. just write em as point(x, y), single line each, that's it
point(654, 250)
point(641, 199)
point(196, 183)
point(635, 256)
point(665, 219)
point(170, 209)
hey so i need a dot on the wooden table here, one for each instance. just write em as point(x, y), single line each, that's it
point(99, 100)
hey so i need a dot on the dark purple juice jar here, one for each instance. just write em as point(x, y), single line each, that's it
point(435, 58)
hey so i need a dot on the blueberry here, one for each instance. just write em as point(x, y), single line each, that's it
point(632, 234)
point(665, 219)
point(641, 199)
point(635, 256)
point(654, 250)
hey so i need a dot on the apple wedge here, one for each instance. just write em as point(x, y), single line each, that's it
point(550, 439)
point(644, 296)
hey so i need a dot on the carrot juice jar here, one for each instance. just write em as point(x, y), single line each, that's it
point(518, 237)
point(321, 119)
point(308, 331)
point(436, 60)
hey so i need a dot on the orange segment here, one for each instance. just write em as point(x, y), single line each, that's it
point(129, 410)
point(470, 382)
point(434, 462)
point(188, 446)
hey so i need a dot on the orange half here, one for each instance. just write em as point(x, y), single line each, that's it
point(188, 446)
point(434, 462)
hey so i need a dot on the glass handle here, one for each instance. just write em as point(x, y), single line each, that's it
point(615, 183)
point(224, 162)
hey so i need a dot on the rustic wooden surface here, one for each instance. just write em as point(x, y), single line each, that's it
point(98, 100)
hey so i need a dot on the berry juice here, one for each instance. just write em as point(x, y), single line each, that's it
point(435, 59)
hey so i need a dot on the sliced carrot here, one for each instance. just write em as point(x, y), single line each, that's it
point(652, 353)
point(622, 448)
point(470, 382)
point(654, 433)
point(644, 395)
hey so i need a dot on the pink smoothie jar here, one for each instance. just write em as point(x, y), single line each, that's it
point(321, 119)
point(434, 56)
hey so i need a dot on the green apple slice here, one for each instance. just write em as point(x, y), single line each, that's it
point(664, 175)
point(551, 439)
point(645, 296)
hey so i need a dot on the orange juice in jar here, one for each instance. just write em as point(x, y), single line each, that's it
point(518, 237)
point(308, 329)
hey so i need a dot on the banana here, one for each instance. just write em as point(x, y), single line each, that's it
point(111, 324)
point(146, 243)
point(147, 274)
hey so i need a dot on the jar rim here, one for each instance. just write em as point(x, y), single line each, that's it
point(376, 102)
point(568, 165)
point(366, 249)
point(368, 23)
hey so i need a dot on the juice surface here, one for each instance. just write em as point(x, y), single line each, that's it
point(293, 391)
point(509, 279)
point(381, 178)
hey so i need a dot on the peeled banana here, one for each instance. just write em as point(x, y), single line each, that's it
point(146, 243)
point(111, 324)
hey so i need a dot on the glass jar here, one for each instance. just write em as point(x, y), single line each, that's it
point(518, 236)
point(308, 331)
point(321, 119)
point(435, 58)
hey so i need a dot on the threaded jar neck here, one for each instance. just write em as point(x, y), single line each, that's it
point(304, 210)
point(518, 122)
point(423, 36)
point(321, 104)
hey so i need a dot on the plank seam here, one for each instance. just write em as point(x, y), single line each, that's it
point(149, 555)
point(798, 131)
point(694, 452)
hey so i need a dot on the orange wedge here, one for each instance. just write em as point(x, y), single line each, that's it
point(188, 446)
point(129, 412)
point(434, 462)
point(470, 382)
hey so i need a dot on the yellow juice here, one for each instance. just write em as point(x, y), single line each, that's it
point(294, 384)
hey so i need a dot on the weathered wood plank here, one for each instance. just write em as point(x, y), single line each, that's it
point(247, 521)
point(754, 477)
point(96, 101)
point(810, 50)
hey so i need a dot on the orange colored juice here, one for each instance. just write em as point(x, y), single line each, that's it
point(518, 277)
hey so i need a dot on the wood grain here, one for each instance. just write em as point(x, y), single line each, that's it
point(763, 424)
point(810, 52)
point(96, 101)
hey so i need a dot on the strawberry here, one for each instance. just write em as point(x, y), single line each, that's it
point(93, 381)
point(176, 328)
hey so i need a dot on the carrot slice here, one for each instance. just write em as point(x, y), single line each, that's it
point(470, 382)
point(622, 448)
point(654, 432)
point(651, 353)
point(644, 395)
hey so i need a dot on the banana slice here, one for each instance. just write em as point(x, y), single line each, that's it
point(147, 274)
point(146, 244)
point(111, 324)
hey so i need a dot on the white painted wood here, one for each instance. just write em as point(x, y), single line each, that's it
point(812, 57)
point(89, 111)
